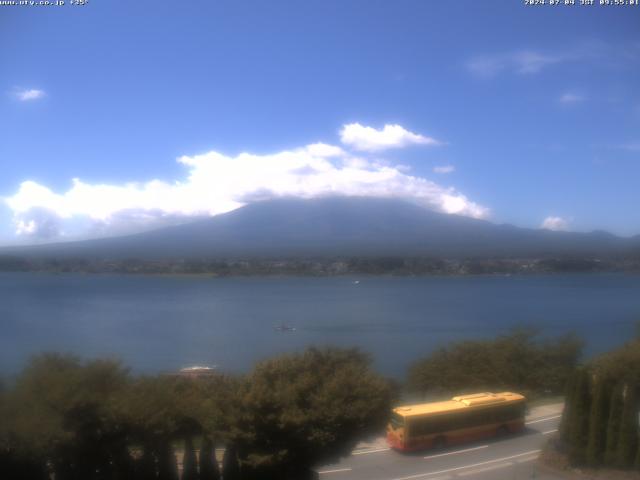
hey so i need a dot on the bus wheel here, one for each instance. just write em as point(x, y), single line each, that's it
point(503, 431)
point(439, 443)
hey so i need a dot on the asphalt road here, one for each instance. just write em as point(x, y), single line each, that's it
point(511, 458)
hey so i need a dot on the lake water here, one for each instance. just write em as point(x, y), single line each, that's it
point(164, 323)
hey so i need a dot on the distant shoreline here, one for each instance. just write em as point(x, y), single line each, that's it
point(323, 267)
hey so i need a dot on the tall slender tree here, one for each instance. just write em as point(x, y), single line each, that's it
point(598, 422)
point(208, 463)
point(613, 425)
point(567, 414)
point(189, 461)
point(145, 467)
point(167, 465)
point(230, 465)
point(628, 440)
point(579, 428)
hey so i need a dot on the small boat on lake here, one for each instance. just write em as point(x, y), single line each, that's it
point(197, 371)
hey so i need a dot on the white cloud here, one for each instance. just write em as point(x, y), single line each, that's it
point(39, 223)
point(533, 62)
point(369, 139)
point(555, 223)
point(444, 169)
point(25, 95)
point(527, 61)
point(631, 147)
point(571, 98)
point(216, 183)
point(324, 150)
point(522, 62)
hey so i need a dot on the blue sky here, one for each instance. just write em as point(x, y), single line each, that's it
point(163, 111)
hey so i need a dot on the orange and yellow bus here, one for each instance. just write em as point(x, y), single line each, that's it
point(462, 419)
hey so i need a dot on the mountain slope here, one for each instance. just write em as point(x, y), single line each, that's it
point(337, 226)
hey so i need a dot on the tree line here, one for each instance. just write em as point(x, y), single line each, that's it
point(76, 419)
point(94, 420)
point(519, 361)
point(320, 266)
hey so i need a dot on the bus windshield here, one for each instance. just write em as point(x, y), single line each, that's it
point(397, 421)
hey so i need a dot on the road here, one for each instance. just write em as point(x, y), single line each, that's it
point(511, 458)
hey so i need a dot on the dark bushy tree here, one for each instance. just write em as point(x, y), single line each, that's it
point(308, 408)
point(517, 361)
point(156, 409)
point(557, 359)
point(63, 411)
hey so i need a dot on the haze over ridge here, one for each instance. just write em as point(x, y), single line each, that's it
point(339, 226)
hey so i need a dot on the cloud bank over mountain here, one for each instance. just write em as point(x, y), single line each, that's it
point(216, 183)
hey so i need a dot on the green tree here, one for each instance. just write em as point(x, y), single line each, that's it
point(579, 428)
point(208, 404)
point(150, 409)
point(16, 461)
point(598, 423)
point(62, 410)
point(622, 364)
point(461, 368)
point(628, 436)
point(557, 360)
point(613, 425)
point(307, 408)
point(516, 361)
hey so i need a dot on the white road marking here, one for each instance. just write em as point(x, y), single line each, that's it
point(371, 451)
point(549, 431)
point(542, 419)
point(485, 469)
point(457, 451)
point(428, 474)
point(525, 460)
point(322, 472)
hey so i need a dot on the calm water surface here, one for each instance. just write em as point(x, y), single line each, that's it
point(164, 323)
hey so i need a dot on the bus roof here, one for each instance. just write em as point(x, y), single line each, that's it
point(460, 402)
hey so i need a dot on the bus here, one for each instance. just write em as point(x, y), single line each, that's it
point(464, 418)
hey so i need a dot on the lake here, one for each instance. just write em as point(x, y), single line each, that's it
point(164, 323)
